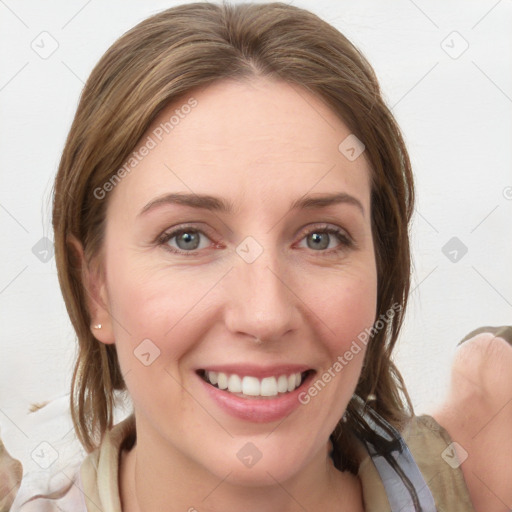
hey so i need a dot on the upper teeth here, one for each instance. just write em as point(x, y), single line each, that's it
point(252, 386)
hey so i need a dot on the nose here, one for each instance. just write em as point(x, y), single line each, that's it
point(261, 302)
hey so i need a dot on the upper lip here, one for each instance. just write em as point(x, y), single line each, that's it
point(257, 371)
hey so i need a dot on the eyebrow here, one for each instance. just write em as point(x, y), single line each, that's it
point(207, 202)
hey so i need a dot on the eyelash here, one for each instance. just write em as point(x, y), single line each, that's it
point(345, 240)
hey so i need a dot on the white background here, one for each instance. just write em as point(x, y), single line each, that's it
point(455, 113)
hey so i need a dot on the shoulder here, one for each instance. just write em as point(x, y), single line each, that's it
point(90, 484)
point(52, 493)
point(477, 414)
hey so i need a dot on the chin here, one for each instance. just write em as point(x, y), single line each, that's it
point(261, 474)
point(258, 462)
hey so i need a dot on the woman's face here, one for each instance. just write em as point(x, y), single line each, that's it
point(238, 247)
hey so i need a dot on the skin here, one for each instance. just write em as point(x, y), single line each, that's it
point(11, 473)
point(260, 145)
point(477, 413)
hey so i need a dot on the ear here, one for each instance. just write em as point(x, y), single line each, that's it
point(94, 284)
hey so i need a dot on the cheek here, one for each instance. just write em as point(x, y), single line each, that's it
point(147, 307)
point(151, 301)
point(157, 322)
point(161, 314)
point(346, 312)
point(346, 307)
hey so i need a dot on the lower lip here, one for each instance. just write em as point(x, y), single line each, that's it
point(257, 410)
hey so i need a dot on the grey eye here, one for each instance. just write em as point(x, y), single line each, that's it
point(187, 240)
point(318, 240)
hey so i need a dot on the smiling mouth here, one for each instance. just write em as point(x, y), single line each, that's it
point(252, 387)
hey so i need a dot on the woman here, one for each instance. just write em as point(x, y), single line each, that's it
point(231, 227)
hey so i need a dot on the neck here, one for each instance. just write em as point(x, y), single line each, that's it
point(150, 482)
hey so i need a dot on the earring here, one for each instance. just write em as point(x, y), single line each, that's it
point(97, 326)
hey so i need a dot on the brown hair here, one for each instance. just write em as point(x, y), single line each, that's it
point(165, 57)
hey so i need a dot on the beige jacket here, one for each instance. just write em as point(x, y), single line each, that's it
point(96, 489)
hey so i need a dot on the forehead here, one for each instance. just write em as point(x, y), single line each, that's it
point(258, 139)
